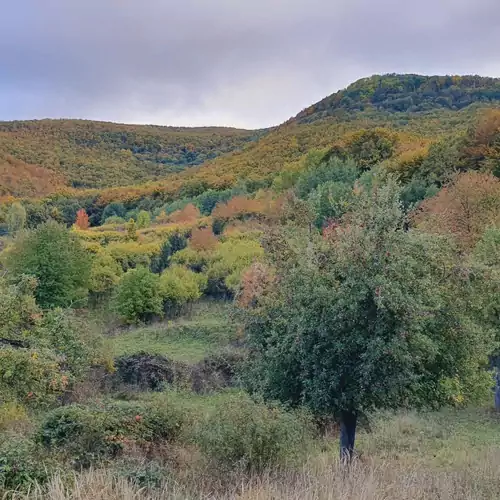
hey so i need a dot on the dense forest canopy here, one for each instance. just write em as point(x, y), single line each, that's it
point(89, 154)
point(405, 94)
point(42, 157)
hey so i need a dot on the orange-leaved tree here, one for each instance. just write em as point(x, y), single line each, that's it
point(464, 209)
point(203, 239)
point(82, 219)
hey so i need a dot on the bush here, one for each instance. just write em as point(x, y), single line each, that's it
point(22, 464)
point(175, 243)
point(88, 434)
point(138, 296)
point(130, 254)
point(114, 219)
point(217, 371)
point(18, 309)
point(114, 209)
point(192, 259)
point(148, 371)
point(244, 434)
point(333, 170)
point(143, 219)
point(72, 341)
point(141, 473)
point(227, 264)
point(32, 376)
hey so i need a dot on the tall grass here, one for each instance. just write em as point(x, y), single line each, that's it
point(318, 480)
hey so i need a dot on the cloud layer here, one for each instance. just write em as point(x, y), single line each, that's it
point(225, 62)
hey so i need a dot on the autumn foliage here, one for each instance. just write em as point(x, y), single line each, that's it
point(82, 219)
point(255, 282)
point(203, 239)
point(187, 214)
point(463, 209)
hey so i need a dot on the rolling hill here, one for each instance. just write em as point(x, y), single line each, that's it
point(130, 162)
point(42, 156)
point(436, 107)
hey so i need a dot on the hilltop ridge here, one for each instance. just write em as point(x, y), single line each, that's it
point(39, 158)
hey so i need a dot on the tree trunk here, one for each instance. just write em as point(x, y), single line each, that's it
point(348, 421)
point(497, 391)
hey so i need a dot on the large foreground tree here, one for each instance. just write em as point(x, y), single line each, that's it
point(366, 316)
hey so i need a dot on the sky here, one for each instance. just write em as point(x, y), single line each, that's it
point(242, 63)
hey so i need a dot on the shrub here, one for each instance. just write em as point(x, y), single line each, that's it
point(131, 254)
point(175, 243)
point(229, 261)
point(11, 414)
point(90, 433)
point(331, 200)
point(114, 219)
point(16, 218)
point(138, 296)
point(32, 376)
point(333, 170)
point(148, 371)
point(114, 210)
point(203, 239)
point(217, 371)
point(242, 433)
point(196, 261)
point(70, 339)
point(18, 309)
point(22, 464)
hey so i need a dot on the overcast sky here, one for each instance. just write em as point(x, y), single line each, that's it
point(245, 63)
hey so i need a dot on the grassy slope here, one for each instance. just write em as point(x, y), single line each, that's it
point(188, 339)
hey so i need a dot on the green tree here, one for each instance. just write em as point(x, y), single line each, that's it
point(16, 218)
point(330, 201)
point(369, 316)
point(175, 243)
point(18, 310)
point(104, 275)
point(332, 170)
point(42, 352)
point(143, 219)
point(131, 230)
point(114, 209)
point(56, 257)
point(179, 287)
point(138, 297)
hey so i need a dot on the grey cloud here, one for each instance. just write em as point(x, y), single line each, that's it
point(230, 62)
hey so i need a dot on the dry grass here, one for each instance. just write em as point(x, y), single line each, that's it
point(447, 455)
point(321, 479)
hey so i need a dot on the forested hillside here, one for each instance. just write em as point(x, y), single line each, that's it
point(404, 94)
point(42, 156)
